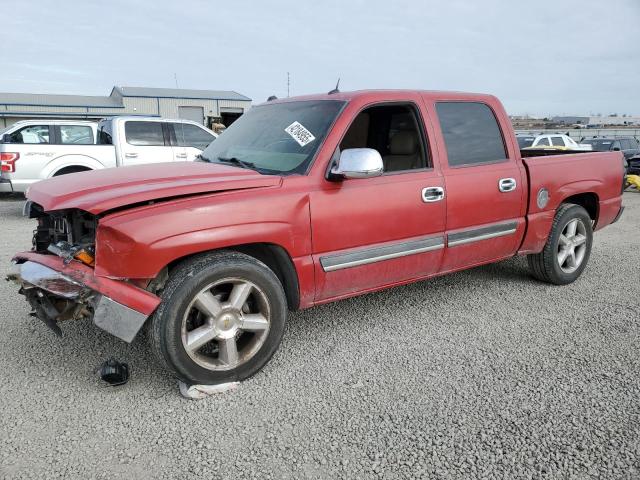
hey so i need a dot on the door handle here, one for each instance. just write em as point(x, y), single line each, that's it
point(181, 155)
point(507, 184)
point(432, 194)
point(131, 155)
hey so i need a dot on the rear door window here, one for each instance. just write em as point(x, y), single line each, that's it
point(471, 133)
point(557, 141)
point(76, 135)
point(144, 133)
point(188, 135)
point(33, 134)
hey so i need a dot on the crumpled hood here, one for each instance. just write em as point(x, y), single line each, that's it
point(101, 190)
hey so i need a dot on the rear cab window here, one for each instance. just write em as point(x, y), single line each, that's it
point(471, 133)
point(76, 135)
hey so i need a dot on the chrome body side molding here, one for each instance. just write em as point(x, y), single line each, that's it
point(483, 233)
point(365, 256)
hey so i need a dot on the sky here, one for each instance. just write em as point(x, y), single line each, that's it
point(548, 57)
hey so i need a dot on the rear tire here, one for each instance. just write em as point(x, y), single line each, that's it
point(567, 251)
point(221, 319)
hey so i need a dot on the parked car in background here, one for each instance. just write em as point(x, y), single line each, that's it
point(559, 142)
point(629, 146)
point(633, 167)
point(154, 140)
point(31, 150)
point(525, 140)
point(37, 149)
point(304, 201)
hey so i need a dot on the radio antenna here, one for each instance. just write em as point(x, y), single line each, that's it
point(336, 90)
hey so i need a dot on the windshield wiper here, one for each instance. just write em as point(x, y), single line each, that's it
point(237, 162)
point(200, 158)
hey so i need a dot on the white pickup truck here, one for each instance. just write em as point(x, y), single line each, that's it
point(33, 150)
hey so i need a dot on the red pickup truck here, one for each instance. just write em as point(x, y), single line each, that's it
point(304, 201)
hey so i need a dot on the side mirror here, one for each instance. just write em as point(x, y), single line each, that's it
point(358, 163)
point(616, 149)
point(6, 138)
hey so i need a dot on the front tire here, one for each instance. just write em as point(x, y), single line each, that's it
point(567, 251)
point(221, 319)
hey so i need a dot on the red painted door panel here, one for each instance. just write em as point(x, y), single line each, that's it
point(476, 153)
point(483, 223)
point(373, 219)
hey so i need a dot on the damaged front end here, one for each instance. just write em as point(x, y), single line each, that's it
point(52, 296)
point(59, 282)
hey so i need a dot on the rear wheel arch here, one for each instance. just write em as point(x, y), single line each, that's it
point(588, 200)
point(57, 164)
point(273, 256)
point(71, 169)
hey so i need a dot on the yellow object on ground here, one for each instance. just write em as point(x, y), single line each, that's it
point(633, 180)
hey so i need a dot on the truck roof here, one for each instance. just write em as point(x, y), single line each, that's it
point(50, 121)
point(377, 95)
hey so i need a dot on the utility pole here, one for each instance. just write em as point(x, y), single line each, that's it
point(288, 83)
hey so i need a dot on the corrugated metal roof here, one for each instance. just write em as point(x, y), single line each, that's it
point(37, 99)
point(180, 93)
point(114, 101)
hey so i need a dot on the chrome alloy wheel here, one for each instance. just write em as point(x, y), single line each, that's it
point(572, 245)
point(226, 324)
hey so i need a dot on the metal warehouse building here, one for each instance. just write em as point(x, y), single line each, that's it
point(203, 106)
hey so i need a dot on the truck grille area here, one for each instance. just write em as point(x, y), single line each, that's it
point(75, 227)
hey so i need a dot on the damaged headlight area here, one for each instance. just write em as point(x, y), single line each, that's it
point(65, 233)
point(59, 280)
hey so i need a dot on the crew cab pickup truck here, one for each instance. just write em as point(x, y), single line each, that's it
point(33, 150)
point(304, 201)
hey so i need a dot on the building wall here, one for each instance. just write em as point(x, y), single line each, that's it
point(614, 120)
point(163, 107)
point(169, 106)
point(139, 106)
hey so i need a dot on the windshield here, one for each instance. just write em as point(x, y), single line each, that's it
point(524, 142)
point(277, 138)
point(599, 145)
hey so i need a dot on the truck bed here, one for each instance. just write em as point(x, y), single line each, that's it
point(600, 174)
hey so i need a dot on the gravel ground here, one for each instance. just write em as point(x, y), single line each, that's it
point(481, 374)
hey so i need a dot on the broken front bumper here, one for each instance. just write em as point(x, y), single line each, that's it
point(59, 291)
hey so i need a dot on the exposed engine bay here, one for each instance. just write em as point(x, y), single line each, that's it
point(70, 229)
point(70, 235)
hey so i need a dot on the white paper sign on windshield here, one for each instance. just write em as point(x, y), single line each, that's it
point(300, 134)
